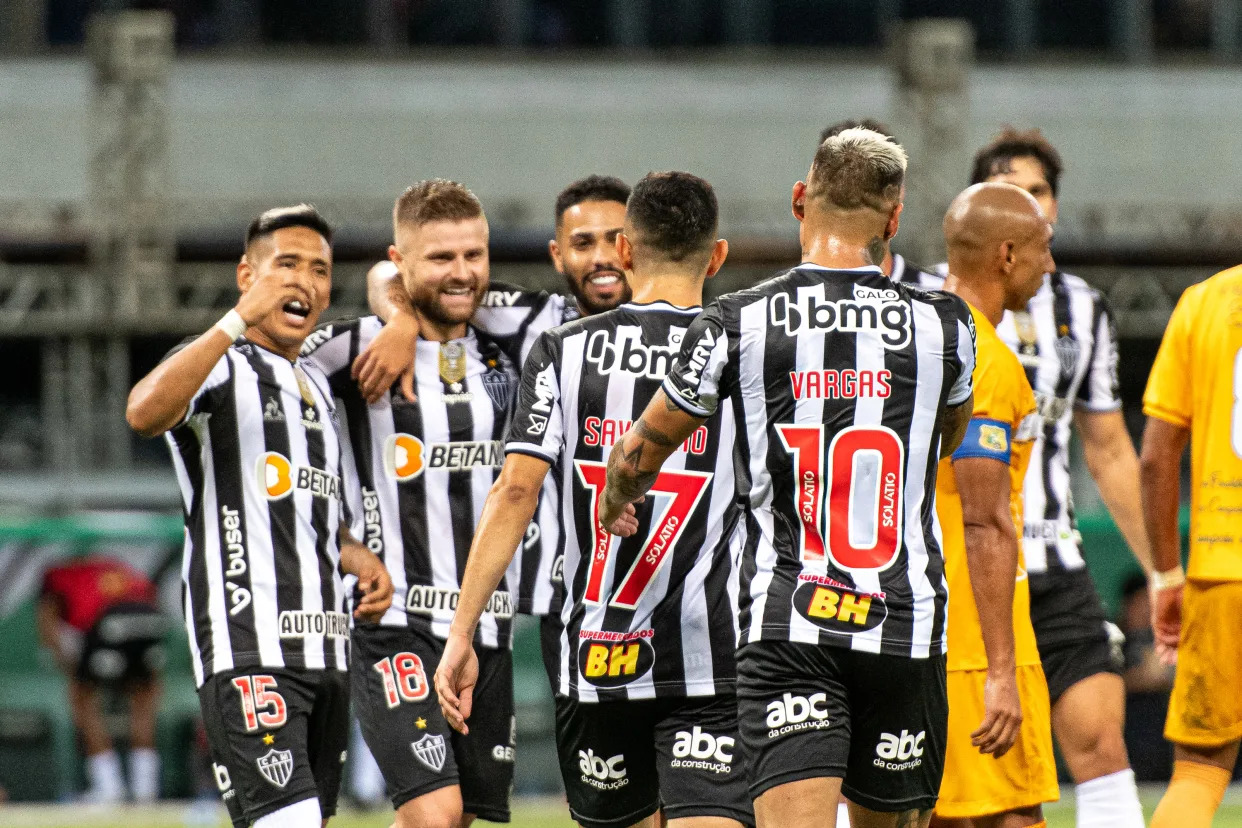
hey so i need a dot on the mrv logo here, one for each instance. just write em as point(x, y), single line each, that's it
point(890, 318)
point(628, 354)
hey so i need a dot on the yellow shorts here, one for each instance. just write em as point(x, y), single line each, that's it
point(976, 785)
point(1205, 709)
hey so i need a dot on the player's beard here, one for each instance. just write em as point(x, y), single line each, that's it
point(589, 303)
point(430, 303)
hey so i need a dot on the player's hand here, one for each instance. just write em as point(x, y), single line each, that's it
point(1002, 716)
point(271, 291)
point(622, 522)
point(389, 357)
point(375, 584)
point(455, 679)
point(1166, 616)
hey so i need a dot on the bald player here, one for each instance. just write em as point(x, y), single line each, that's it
point(999, 764)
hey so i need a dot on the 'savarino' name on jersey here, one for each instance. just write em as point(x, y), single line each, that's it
point(837, 380)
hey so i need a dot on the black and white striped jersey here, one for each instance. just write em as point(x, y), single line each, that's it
point(1067, 342)
point(424, 469)
point(838, 380)
point(650, 615)
point(516, 317)
point(260, 469)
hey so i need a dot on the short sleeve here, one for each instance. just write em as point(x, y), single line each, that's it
point(516, 317)
point(538, 426)
point(1170, 385)
point(1101, 389)
point(220, 376)
point(996, 394)
point(963, 384)
point(330, 346)
point(699, 375)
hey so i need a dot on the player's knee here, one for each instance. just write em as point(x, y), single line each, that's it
point(428, 815)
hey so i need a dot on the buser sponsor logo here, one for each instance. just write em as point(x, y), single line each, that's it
point(891, 319)
point(373, 535)
point(628, 353)
point(230, 524)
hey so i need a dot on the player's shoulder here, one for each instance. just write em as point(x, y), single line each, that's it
point(365, 326)
point(1227, 282)
point(506, 295)
point(491, 349)
point(1071, 285)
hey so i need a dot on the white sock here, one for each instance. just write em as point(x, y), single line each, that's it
point(144, 774)
point(843, 815)
point(1109, 802)
point(304, 814)
point(103, 771)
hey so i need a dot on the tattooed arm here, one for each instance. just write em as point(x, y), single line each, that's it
point(637, 457)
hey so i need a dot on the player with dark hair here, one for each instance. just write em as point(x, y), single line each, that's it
point(424, 468)
point(646, 712)
point(845, 389)
point(1066, 340)
point(253, 436)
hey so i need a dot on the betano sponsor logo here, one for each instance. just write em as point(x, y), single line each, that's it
point(406, 456)
point(604, 432)
point(890, 318)
point(278, 478)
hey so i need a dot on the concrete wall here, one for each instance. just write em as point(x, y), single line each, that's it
point(351, 134)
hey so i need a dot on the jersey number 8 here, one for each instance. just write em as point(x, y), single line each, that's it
point(852, 513)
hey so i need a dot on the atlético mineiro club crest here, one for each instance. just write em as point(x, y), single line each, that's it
point(430, 751)
point(276, 766)
point(498, 387)
point(1068, 351)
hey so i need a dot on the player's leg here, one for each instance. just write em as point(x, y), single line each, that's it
point(103, 766)
point(702, 769)
point(1205, 708)
point(485, 757)
point(390, 681)
point(803, 802)
point(608, 762)
point(144, 761)
point(328, 738)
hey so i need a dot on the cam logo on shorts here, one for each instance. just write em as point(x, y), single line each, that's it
point(604, 774)
point(430, 751)
point(792, 714)
point(899, 753)
point(276, 766)
point(699, 750)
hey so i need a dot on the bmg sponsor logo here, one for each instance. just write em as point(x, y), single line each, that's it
point(888, 317)
point(899, 753)
point(699, 750)
point(792, 714)
point(603, 774)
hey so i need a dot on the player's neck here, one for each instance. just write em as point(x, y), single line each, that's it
point(260, 338)
point(844, 252)
point(984, 295)
point(434, 331)
point(673, 287)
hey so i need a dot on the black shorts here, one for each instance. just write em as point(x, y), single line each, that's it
point(416, 750)
point(624, 760)
point(277, 737)
point(877, 722)
point(126, 644)
point(1075, 638)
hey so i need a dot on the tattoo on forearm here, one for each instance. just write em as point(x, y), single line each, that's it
point(669, 405)
point(656, 436)
point(876, 250)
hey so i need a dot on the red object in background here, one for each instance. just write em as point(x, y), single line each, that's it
point(87, 587)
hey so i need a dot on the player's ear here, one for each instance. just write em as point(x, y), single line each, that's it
point(894, 221)
point(625, 252)
point(798, 201)
point(394, 256)
point(1007, 256)
point(554, 253)
point(245, 274)
point(720, 252)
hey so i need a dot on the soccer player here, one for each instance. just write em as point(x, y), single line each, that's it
point(1066, 340)
point(1192, 396)
point(999, 766)
point(845, 389)
point(253, 436)
point(646, 712)
point(424, 469)
point(589, 215)
point(894, 265)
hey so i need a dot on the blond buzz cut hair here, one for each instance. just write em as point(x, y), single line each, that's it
point(436, 199)
point(856, 169)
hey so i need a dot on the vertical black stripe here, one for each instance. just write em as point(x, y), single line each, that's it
point(282, 513)
point(412, 513)
point(1063, 329)
point(195, 585)
point(326, 536)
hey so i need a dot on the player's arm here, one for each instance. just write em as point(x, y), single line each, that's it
point(1163, 444)
point(374, 582)
point(507, 513)
point(992, 560)
point(390, 355)
point(161, 399)
point(956, 419)
point(1114, 466)
point(636, 459)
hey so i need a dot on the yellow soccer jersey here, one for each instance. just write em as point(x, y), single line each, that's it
point(1196, 382)
point(1003, 428)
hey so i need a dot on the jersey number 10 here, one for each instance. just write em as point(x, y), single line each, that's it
point(849, 502)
